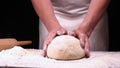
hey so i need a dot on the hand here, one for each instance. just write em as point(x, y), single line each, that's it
point(84, 41)
point(50, 36)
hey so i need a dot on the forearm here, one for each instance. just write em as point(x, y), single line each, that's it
point(95, 12)
point(45, 12)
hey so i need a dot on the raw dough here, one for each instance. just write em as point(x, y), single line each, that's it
point(65, 47)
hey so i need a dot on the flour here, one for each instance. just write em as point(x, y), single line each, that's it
point(16, 51)
point(30, 58)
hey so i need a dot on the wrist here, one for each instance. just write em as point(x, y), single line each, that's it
point(84, 29)
point(52, 25)
point(54, 28)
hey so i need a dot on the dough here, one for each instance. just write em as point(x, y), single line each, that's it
point(65, 47)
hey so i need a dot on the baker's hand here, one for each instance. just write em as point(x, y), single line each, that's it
point(84, 42)
point(50, 36)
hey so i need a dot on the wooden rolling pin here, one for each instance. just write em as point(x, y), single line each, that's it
point(7, 43)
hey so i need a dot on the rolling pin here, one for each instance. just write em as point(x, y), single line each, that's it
point(7, 43)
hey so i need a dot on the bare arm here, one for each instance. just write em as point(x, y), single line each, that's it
point(45, 12)
point(95, 12)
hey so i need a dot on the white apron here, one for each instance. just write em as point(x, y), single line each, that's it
point(70, 14)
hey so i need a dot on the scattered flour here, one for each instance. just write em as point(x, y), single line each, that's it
point(16, 51)
point(20, 57)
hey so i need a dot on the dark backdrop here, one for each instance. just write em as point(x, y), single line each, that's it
point(114, 27)
point(19, 20)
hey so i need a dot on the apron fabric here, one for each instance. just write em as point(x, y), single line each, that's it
point(70, 14)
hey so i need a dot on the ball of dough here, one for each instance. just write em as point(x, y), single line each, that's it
point(65, 47)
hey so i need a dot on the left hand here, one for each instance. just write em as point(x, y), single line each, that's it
point(84, 41)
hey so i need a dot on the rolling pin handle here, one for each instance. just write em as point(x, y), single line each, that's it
point(20, 43)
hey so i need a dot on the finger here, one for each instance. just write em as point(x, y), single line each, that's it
point(82, 41)
point(61, 32)
point(47, 41)
point(72, 33)
point(87, 52)
point(44, 53)
point(45, 50)
point(49, 38)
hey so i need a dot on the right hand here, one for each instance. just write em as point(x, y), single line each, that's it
point(50, 36)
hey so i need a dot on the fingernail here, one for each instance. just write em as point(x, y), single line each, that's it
point(58, 32)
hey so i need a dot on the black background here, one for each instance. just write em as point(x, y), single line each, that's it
point(19, 20)
point(114, 27)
